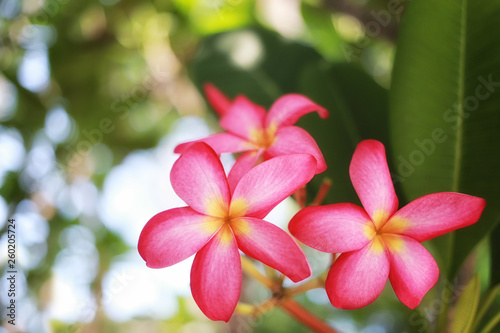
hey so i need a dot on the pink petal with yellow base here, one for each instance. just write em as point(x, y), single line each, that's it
point(269, 244)
point(413, 269)
point(220, 143)
point(216, 276)
point(372, 181)
point(243, 164)
point(250, 128)
point(174, 235)
point(199, 168)
point(357, 278)
point(334, 228)
point(289, 108)
point(436, 214)
point(269, 183)
point(295, 140)
point(244, 118)
point(206, 227)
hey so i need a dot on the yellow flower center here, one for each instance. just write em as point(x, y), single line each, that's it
point(384, 232)
point(225, 218)
point(263, 138)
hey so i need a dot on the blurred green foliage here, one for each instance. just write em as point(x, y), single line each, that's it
point(125, 71)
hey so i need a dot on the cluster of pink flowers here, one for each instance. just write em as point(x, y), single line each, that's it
point(226, 214)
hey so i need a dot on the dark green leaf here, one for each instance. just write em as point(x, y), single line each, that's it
point(358, 110)
point(445, 103)
point(495, 256)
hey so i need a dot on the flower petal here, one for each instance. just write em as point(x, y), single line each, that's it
point(289, 108)
point(217, 100)
point(333, 228)
point(372, 181)
point(269, 183)
point(220, 143)
point(198, 178)
point(357, 278)
point(174, 235)
point(271, 245)
point(244, 118)
point(216, 276)
point(435, 214)
point(243, 164)
point(295, 140)
point(413, 269)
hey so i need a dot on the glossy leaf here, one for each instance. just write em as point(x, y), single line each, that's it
point(358, 110)
point(444, 109)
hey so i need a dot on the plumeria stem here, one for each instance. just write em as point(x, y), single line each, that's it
point(255, 310)
point(265, 306)
point(281, 278)
point(318, 282)
point(245, 309)
point(270, 273)
point(249, 268)
point(305, 317)
point(323, 191)
point(281, 295)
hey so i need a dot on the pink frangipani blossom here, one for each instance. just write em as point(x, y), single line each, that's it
point(379, 241)
point(260, 135)
point(218, 222)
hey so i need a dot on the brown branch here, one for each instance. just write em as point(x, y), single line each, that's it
point(305, 317)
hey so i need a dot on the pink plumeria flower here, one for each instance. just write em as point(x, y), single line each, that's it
point(259, 134)
point(218, 222)
point(379, 241)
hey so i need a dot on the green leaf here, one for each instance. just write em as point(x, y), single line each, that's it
point(486, 301)
point(491, 324)
point(358, 110)
point(444, 109)
point(466, 307)
point(495, 256)
point(321, 32)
